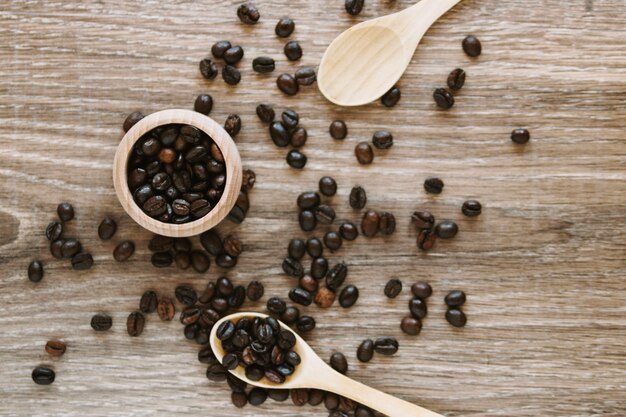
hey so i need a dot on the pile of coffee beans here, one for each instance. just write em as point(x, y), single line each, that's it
point(455, 316)
point(285, 132)
point(386, 346)
point(231, 55)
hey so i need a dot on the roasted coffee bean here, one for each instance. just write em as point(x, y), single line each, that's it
point(232, 245)
point(257, 396)
point(199, 261)
point(308, 200)
point(142, 194)
point(161, 259)
point(200, 208)
point(190, 315)
point(365, 350)
point(339, 362)
point(296, 248)
point(230, 361)
point(224, 286)
point(443, 98)
point(305, 76)
point(386, 223)
point(207, 356)
point(241, 338)
point(471, 208)
point(232, 125)
point(279, 134)
point(362, 411)
point(238, 297)
point(35, 271)
point(391, 97)
point(155, 206)
point(263, 64)
point(328, 186)
point(293, 50)
point(314, 247)
point(422, 220)
point(370, 223)
point(211, 242)
point(331, 401)
point(417, 308)
point(299, 396)
point(298, 137)
point(276, 305)
point(255, 290)
point(456, 317)
point(43, 376)
point(239, 399)
point(248, 180)
point(301, 296)
point(54, 231)
point(101, 322)
point(348, 231)
point(55, 248)
point(248, 14)
point(358, 197)
point(167, 156)
point(160, 243)
point(393, 288)
point(386, 345)
point(132, 120)
point(293, 267)
point(319, 267)
point(65, 211)
point(231, 75)
point(290, 315)
point(169, 133)
point(190, 134)
point(303, 324)
point(162, 180)
point(324, 214)
point(82, 261)
point(186, 295)
point(296, 159)
point(226, 330)
point(208, 293)
point(411, 325)
point(308, 283)
point(447, 229)
point(203, 104)
point(123, 251)
point(137, 177)
point(265, 112)
point(148, 302)
point(382, 139)
point(455, 298)
point(135, 324)
point(354, 7)
point(325, 297)
point(151, 146)
point(433, 185)
point(219, 48)
point(307, 220)
point(426, 239)
point(290, 119)
point(166, 309)
point(219, 304)
point(287, 84)
point(224, 260)
point(216, 372)
point(181, 207)
point(456, 79)
point(233, 55)
point(285, 27)
point(364, 153)
point(316, 396)
point(336, 276)
point(338, 129)
point(421, 290)
point(348, 296)
point(208, 68)
point(55, 348)
point(520, 136)
point(333, 241)
point(472, 46)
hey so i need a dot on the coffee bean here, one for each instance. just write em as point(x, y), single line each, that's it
point(142, 194)
point(137, 177)
point(54, 231)
point(362, 411)
point(305, 76)
point(82, 261)
point(216, 372)
point(391, 97)
point(348, 296)
point(232, 245)
point(354, 7)
point(325, 297)
point(248, 180)
point(208, 294)
point(386, 346)
point(386, 223)
point(265, 112)
point(319, 267)
point(279, 134)
point(257, 396)
point(151, 146)
point(287, 84)
point(231, 75)
point(455, 298)
point(226, 330)
point(200, 208)
point(167, 156)
point(293, 50)
point(307, 220)
point(421, 290)
point(43, 375)
point(447, 229)
point(135, 324)
point(393, 288)
point(309, 283)
point(224, 286)
point(148, 302)
point(190, 315)
point(303, 324)
point(276, 305)
point(314, 247)
point(520, 136)
point(411, 325)
point(308, 200)
point(348, 231)
point(472, 46)
point(166, 309)
point(208, 68)
point(358, 197)
point(426, 239)
point(123, 251)
point(211, 242)
point(181, 207)
point(338, 129)
point(55, 248)
point(456, 317)
point(232, 126)
point(324, 214)
point(239, 399)
point(296, 248)
point(433, 185)
point(101, 322)
point(35, 271)
point(333, 241)
point(248, 14)
point(331, 401)
point(55, 348)
point(364, 153)
point(300, 296)
point(417, 308)
point(290, 119)
point(471, 208)
point(290, 315)
point(299, 396)
point(65, 211)
point(339, 362)
point(233, 55)
point(255, 290)
point(422, 220)
point(336, 276)
point(285, 27)
point(382, 139)
point(365, 350)
point(132, 120)
point(219, 48)
point(236, 384)
point(293, 267)
point(328, 186)
point(263, 64)
point(370, 223)
point(155, 206)
point(316, 396)
point(296, 159)
point(203, 104)
point(443, 98)
point(186, 295)
point(456, 79)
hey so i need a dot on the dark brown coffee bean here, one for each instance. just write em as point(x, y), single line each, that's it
point(348, 231)
point(233, 245)
point(137, 177)
point(386, 223)
point(203, 104)
point(65, 211)
point(328, 186)
point(265, 112)
point(190, 315)
point(285, 27)
point(239, 399)
point(167, 155)
point(216, 372)
point(456, 79)
point(296, 248)
point(456, 317)
point(248, 14)
point(300, 296)
point(224, 260)
point(181, 207)
point(298, 137)
point(55, 348)
point(308, 200)
point(447, 229)
point(263, 64)
point(200, 208)
point(299, 396)
point(123, 251)
point(35, 271)
point(354, 7)
point(314, 247)
point(362, 411)
point(364, 153)
point(276, 305)
point(155, 206)
point(101, 322)
point(443, 98)
point(305, 76)
point(43, 375)
point(231, 75)
point(382, 139)
point(232, 126)
point(307, 220)
point(208, 68)
point(333, 241)
point(186, 295)
point(290, 315)
point(386, 346)
point(219, 48)
point(365, 351)
point(211, 242)
point(339, 362)
point(296, 159)
point(411, 326)
point(338, 130)
point(393, 288)
point(417, 308)
point(70, 248)
point(472, 46)
point(455, 298)
point(325, 214)
point(248, 180)
point(391, 97)
point(161, 259)
point(293, 267)
point(233, 55)
point(370, 223)
point(54, 231)
point(319, 267)
point(348, 296)
point(336, 276)
point(293, 50)
point(303, 324)
point(309, 283)
point(316, 396)
point(421, 290)
point(208, 293)
point(132, 120)
point(471, 208)
point(82, 261)
point(520, 136)
point(325, 297)
point(433, 185)
point(224, 286)
point(135, 324)
point(257, 396)
point(160, 243)
point(358, 197)
point(279, 134)
point(287, 84)
point(255, 290)
point(331, 401)
point(182, 260)
point(55, 248)
point(166, 309)
point(148, 302)
point(422, 220)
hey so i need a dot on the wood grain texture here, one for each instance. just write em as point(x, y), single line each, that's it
point(543, 266)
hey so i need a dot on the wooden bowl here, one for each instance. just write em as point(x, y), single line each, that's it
point(232, 162)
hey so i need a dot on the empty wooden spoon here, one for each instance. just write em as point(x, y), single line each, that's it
point(313, 372)
point(365, 61)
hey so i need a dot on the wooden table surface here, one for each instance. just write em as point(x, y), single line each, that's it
point(543, 266)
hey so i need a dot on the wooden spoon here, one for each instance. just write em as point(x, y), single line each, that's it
point(365, 61)
point(313, 372)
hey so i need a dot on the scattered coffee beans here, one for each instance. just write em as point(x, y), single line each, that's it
point(265, 112)
point(348, 296)
point(131, 120)
point(231, 75)
point(285, 27)
point(123, 251)
point(287, 84)
point(369, 223)
point(203, 104)
point(232, 126)
point(148, 302)
point(328, 186)
point(472, 46)
point(208, 69)
point(386, 223)
point(219, 48)
point(82, 261)
point(54, 231)
point(421, 290)
point(233, 55)
point(455, 298)
point(166, 309)
point(358, 197)
point(417, 308)
point(411, 325)
point(305, 76)
point(338, 130)
point(422, 220)
point(348, 231)
point(263, 65)
point(296, 159)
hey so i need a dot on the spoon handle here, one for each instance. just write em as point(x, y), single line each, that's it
point(422, 15)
